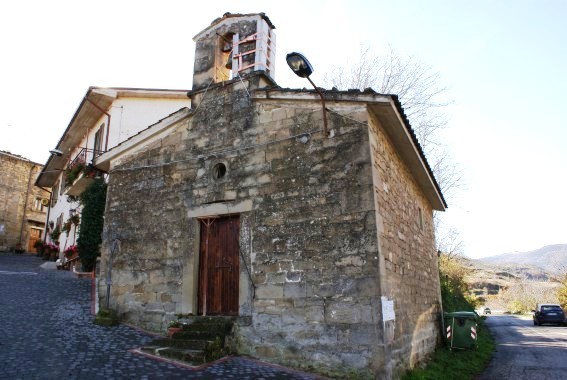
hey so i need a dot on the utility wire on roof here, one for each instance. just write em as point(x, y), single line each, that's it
point(214, 154)
point(236, 149)
point(243, 85)
point(203, 97)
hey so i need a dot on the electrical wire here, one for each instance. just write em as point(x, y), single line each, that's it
point(235, 149)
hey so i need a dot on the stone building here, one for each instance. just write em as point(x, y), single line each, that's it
point(321, 245)
point(23, 207)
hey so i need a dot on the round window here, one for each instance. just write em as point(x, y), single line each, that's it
point(219, 170)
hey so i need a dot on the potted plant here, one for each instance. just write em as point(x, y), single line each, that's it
point(39, 246)
point(90, 171)
point(67, 227)
point(46, 253)
point(173, 327)
point(73, 220)
point(52, 252)
point(70, 252)
point(47, 248)
point(73, 172)
point(55, 234)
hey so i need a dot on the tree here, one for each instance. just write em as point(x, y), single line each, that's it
point(419, 90)
point(454, 289)
point(524, 294)
point(415, 84)
point(562, 289)
point(448, 240)
point(92, 220)
point(560, 278)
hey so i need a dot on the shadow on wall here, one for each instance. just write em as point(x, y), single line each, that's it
point(427, 327)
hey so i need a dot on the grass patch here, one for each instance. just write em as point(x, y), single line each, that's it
point(457, 364)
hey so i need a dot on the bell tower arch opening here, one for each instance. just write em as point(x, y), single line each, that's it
point(234, 45)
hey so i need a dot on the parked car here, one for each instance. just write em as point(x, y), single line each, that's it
point(487, 311)
point(548, 313)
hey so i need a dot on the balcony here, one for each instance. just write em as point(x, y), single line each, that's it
point(80, 174)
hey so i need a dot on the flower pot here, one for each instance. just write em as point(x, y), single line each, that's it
point(172, 330)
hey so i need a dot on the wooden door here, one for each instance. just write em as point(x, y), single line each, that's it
point(35, 235)
point(219, 266)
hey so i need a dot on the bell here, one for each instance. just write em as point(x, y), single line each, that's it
point(229, 62)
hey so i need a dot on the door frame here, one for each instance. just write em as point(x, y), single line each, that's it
point(190, 274)
point(30, 247)
point(204, 266)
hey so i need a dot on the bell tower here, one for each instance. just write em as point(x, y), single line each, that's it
point(233, 45)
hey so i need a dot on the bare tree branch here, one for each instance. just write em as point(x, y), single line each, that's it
point(419, 90)
point(415, 84)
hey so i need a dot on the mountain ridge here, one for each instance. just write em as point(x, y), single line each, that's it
point(550, 258)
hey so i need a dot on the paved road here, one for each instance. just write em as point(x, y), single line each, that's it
point(525, 351)
point(46, 332)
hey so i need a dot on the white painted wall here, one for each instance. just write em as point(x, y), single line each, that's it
point(128, 116)
point(132, 115)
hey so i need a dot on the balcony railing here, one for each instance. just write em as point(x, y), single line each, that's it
point(84, 156)
point(80, 171)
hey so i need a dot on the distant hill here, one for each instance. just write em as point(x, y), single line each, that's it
point(488, 278)
point(551, 259)
point(536, 271)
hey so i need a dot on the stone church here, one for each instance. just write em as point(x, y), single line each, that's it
point(23, 207)
point(319, 240)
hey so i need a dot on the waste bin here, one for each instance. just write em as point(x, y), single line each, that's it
point(460, 329)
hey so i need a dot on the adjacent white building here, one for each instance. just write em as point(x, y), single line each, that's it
point(105, 118)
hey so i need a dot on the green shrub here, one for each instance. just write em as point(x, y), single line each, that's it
point(454, 289)
point(516, 307)
point(457, 364)
point(93, 200)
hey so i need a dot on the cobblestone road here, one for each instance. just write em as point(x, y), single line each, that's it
point(46, 332)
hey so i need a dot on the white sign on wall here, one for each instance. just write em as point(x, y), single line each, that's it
point(388, 313)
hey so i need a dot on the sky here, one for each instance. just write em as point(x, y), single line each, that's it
point(503, 64)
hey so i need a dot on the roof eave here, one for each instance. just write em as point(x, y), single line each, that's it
point(391, 117)
point(83, 118)
point(143, 138)
point(227, 16)
point(390, 112)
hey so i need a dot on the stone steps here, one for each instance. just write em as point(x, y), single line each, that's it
point(195, 344)
point(201, 340)
point(189, 356)
point(196, 335)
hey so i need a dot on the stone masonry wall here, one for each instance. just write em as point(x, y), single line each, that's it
point(410, 274)
point(308, 230)
point(14, 183)
point(210, 62)
point(309, 238)
point(314, 252)
point(146, 214)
